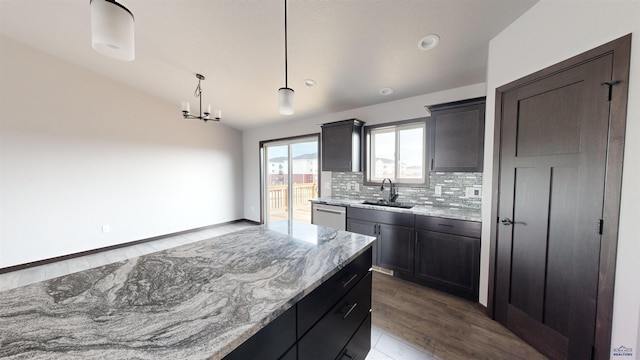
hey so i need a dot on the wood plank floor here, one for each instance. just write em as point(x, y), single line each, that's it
point(441, 325)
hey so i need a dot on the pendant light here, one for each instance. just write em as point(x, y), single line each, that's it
point(285, 94)
point(112, 29)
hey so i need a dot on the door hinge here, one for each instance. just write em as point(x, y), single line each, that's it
point(600, 226)
point(610, 85)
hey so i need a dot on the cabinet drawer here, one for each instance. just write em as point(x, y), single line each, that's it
point(360, 344)
point(381, 216)
point(312, 307)
point(271, 342)
point(449, 226)
point(330, 335)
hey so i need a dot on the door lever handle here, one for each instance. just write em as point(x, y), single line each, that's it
point(507, 222)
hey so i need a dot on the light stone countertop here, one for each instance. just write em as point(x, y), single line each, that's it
point(438, 211)
point(196, 301)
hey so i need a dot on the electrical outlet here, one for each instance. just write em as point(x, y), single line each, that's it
point(357, 186)
point(438, 190)
point(473, 192)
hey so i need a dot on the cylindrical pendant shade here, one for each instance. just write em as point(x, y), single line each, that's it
point(112, 29)
point(285, 101)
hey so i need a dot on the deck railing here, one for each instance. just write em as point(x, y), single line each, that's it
point(279, 196)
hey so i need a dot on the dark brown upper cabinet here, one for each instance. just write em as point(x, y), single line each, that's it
point(457, 136)
point(341, 145)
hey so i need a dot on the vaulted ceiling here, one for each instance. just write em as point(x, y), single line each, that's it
point(352, 49)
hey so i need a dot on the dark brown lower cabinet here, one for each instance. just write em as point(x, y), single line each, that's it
point(448, 262)
point(333, 321)
point(447, 255)
point(441, 253)
point(365, 228)
point(395, 248)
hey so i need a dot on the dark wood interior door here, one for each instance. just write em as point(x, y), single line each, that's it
point(552, 178)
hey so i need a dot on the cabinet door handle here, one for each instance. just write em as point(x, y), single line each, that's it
point(347, 281)
point(350, 310)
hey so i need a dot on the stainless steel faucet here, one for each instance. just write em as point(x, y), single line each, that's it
point(393, 195)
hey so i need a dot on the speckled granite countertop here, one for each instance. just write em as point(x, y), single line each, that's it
point(444, 212)
point(196, 301)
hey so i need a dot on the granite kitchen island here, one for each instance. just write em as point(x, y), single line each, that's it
point(196, 301)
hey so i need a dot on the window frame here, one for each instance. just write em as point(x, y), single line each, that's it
point(396, 127)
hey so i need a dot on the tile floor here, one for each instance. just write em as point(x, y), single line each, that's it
point(384, 346)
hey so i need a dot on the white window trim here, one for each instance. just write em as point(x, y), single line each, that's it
point(370, 153)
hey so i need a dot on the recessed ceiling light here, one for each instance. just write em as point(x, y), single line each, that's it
point(386, 91)
point(309, 82)
point(429, 42)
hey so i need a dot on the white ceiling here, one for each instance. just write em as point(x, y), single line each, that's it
point(351, 49)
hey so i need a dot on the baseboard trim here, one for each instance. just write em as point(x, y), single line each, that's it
point(117, 246)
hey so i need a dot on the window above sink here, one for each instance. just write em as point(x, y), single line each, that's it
point(397, 151)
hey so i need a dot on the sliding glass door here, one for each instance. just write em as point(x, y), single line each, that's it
point(290, 178)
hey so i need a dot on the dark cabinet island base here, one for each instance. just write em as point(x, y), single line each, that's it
point(332, 322)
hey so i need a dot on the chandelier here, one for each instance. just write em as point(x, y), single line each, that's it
point(202, 115)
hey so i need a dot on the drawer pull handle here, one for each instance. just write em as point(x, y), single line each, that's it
point(350, 310)
point(346, 356)
point(447, 225)
point(345, 283)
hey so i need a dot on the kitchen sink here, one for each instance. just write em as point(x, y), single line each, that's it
point(388, 204)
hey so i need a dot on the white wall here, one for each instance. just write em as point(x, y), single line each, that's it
point(552, 31)
point(78, 151)
point(409, 108)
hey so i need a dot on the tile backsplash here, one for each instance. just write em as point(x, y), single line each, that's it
point(461, 190)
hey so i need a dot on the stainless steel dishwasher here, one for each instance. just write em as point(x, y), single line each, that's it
point(330, 216)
